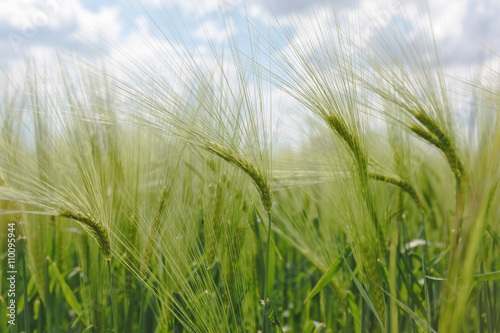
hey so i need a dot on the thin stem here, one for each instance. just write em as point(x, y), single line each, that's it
point(48, 297)
point(459, 210)
point(25, 291)
point(363, 315)
point(259, 246)
point(266, 276)
point(144, 307)
point(113, 301)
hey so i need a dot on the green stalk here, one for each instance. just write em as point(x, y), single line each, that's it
point(266, 276)
point(428, 288)
point(144, 307)
point(25, 291)
point(363, 315)
point(48, 297)
point(113, 301)
point(40, 315)
point(459, 210)
point(259, 246)
point(437, 137)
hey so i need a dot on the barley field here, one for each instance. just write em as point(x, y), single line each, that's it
point(259, 183)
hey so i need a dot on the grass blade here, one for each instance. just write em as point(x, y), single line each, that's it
point(360, 287)
point(67, 292)
point(329, 274)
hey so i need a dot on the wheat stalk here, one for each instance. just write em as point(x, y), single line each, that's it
point(153, 231)
point(132, 231)
point(235, 246)
point(373, 275)
point(214, 224)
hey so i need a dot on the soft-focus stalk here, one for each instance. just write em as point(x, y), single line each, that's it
point(266, 276)
point(113, 300)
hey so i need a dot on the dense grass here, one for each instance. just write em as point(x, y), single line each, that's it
point(143, 203)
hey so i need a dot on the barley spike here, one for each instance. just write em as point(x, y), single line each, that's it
point(95, 228)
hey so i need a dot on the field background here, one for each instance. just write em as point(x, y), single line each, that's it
point(283, 177)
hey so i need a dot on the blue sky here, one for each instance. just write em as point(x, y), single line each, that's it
point(145, 30)
point(40, 26)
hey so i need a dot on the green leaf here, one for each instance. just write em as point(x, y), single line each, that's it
point(309, 327)
point(3, 312)
point(435, 278)
point(354, 310)
point(329, 274)
point(480, 277)
point(272, 315)
point(36, 309)
point(67, 292)
point(321, 327)
point(426, 290)
point(419, 321)
point(76, 320)
point(31, 293)
point(487, 276)
point(360, 287)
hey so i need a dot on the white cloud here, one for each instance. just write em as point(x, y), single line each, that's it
point(460, 26)
point(33, 27)
point(192, 7)
point(39, 26)
point(215, 31)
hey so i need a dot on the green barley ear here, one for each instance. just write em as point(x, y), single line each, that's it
point(94, 227)
point(441, 140)
point(340, 128)
point(405, 186)
point(259, 181)
point(426, 135)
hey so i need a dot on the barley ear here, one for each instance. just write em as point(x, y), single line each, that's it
point(445, 144)
point(424, 134)
point(238, 161)
point(339, 127)
point(401, 184)
point(456, 166)
point(94, 227)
